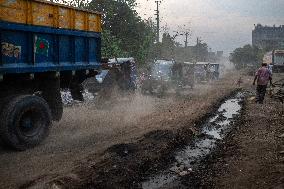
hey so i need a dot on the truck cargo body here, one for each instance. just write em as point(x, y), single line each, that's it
point(44, 47)
point(26, 48)
point(275, 58)
point(41, 46)
point(45, 13)
point(278, 60)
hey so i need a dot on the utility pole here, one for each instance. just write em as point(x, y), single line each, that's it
point(197, 49)
point(186, 39)
point(158, 21)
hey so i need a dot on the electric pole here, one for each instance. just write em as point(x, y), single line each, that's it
point(186, 39)
point(158, 21)
point(197, 49)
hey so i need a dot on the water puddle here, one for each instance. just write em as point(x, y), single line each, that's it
point(187, 160)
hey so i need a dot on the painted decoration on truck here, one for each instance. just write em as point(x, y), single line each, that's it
point(10, 50)
point(9, 2)
point(41, 46)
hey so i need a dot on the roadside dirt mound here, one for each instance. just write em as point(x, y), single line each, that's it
point(252, 156)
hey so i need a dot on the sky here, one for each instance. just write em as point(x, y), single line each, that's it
point(223, 24)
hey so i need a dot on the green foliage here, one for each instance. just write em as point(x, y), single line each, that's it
point(170, 49)
point(246, 56)
point(111, 45)
point(126, 31)
point(168, 46)
point(200, 51)
point(166, 49)
point(126, 34)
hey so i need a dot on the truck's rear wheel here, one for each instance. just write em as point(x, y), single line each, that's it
point(25, 122)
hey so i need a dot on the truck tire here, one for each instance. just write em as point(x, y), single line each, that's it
point(25, 122)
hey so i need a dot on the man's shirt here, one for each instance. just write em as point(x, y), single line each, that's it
point(263, 76)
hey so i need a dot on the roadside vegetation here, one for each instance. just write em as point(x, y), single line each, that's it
point(246, 56)
point(126, 34)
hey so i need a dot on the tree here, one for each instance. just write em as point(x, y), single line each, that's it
point(168, 46)
point(123, 23)
point(124, 32)
point(246, 56)
point(201, 52)
point(111, 45)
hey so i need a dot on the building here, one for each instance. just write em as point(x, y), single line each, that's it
point(269, 38)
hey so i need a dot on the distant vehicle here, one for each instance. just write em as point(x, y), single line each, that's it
point(166, 74)
point(117, 75)
point(188, 77)
point(125, 72)
point(275, 60)
point(159, 78)
point(119, 72)
point(205, 71)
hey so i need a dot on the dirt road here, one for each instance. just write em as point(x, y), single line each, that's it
point(83, 130)
point(87, 131)
point(137, 137)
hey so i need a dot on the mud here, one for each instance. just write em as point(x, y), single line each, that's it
point(128, 165)
point(83, 130)
point(225, 151)
point(144, 131)
point(250, 157)
point(188, 159)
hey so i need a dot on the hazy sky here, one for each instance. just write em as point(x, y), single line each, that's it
point(223, 24)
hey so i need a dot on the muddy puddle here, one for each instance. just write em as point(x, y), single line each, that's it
point(188, 159)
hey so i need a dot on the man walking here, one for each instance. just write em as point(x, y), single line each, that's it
point(262, 76)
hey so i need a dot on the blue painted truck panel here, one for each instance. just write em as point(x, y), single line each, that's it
point(33, 49)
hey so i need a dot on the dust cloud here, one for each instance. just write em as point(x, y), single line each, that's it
point(226, 66)
point(116, 116)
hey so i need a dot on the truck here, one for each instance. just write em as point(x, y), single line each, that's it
point(275, 60)
point(158, 78)
point(117, 75)
point(205, 71)
point(167, 74)
point(45, 47)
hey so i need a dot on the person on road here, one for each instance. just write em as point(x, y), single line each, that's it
point(262, 76)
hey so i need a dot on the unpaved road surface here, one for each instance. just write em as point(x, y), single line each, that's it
point(136, 137)
point(88, 131)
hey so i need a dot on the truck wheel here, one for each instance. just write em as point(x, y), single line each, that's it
point(25, 122)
